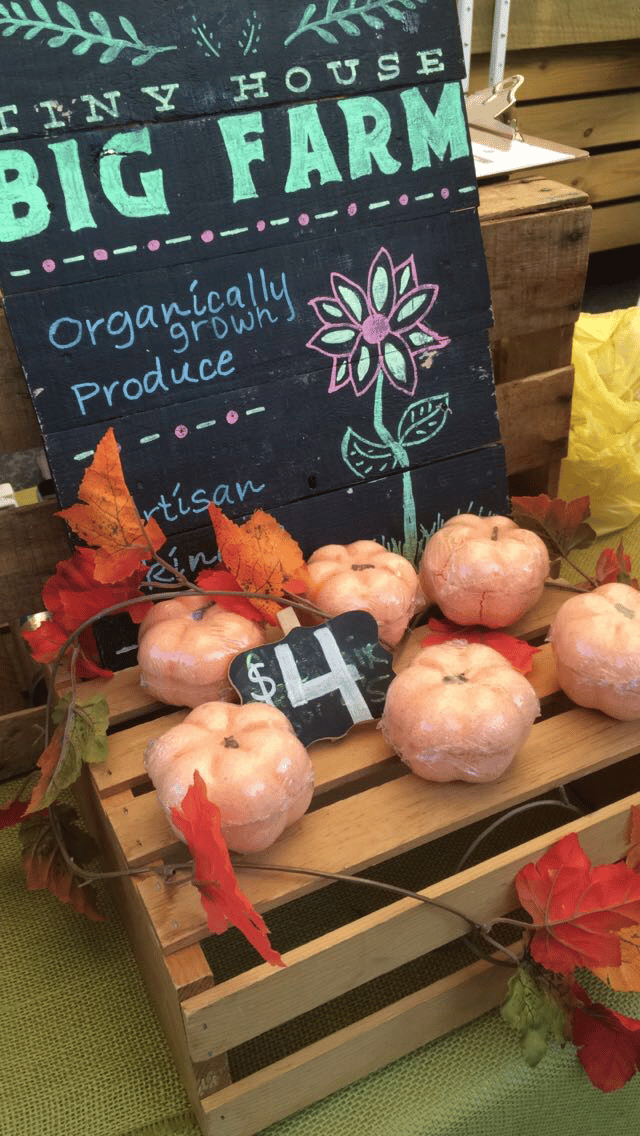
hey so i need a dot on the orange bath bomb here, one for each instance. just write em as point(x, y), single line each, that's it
point(254, 768)
point(596, 642)
point(484, 570)
point(185, 647)
point(364, 576)
point(459, 712)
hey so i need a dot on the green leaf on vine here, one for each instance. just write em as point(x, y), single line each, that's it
point(80, 738)
point(535, 1013)
point(44, 866)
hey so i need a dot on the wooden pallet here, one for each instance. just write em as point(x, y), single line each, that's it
point(367, 810)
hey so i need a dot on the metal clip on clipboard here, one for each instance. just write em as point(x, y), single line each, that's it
point(485, 110)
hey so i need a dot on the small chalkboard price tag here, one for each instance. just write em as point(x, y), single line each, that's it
point(325, 679)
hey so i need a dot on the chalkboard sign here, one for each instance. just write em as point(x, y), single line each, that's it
point(245, 236)
point(325, 679)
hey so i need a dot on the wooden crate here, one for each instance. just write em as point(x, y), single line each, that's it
point(367, 810)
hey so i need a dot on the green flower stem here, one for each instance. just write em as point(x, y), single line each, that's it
point(402, 458)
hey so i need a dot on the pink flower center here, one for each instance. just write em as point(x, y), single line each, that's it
point(375, 328)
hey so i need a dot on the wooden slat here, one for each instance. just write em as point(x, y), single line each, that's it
point(535, 415)
point(604, 177)
point(615, 226)
point(546, 253)
point(519, 356)
point(32, 541)
point(310, 1074)
point(551, 22)
point(19, 428)
point(352, 834)
point(261, 998)
point(601, 120)
point(573, 70)
point(532, 194)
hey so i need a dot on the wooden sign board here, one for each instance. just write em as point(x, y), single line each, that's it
point(325, 679)
point(245, 236)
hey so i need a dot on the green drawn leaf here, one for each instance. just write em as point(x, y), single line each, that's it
point(100, 24)
point(9, 31)
point(395, 15)
point(308, 13)
point(364, 457)
point(68, 14)
point(19, 10)
point(129, 30)
point(423, 420)
point(111, 53)
point(349, 27)
point(40, 10)
point(373, 21)
point(56, 41)
point(33, 31)
point(83, 47)
point(138, 60)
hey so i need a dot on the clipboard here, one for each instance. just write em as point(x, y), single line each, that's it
point(498, 146)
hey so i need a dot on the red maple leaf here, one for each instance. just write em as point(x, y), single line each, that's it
point(614, 567)
point(12, 813)
point(562, 524)
point(579, 907)
point(608, 1043)
point(218, 579)
point(516, 651)
point(198, 819)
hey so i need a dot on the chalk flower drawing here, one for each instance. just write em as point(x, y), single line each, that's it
point(204, 39)
point(68, 30)
point(377, 336)
point(343, 15)
point(250, 35)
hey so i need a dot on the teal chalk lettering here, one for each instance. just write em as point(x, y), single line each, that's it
point(152, 201)
point(52, 105)
point(430, 61)
point(120, 323)
point(109, 108)
point(58, 333)
point(302, 80)
point(153, 380)
point(226, 365)
point(161, 100)
point(344, 81)
point(242, 151)
point(76, 200)
point(388, 67)
point(310, 150)
point(17, 191)
point(283, 295)
point(369, 132)
point(440, 132)
point(132, 385)
point(5, 128)
point(251, 85)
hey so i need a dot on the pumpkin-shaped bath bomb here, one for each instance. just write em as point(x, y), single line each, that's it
point(254, 768)
point(596, 642)
point(185, 647)
point(459, 712)
point(484, 570)
point(364, 576)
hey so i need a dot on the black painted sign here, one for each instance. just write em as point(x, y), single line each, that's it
point(76, 64)
point(245, 236)
point(325, 679)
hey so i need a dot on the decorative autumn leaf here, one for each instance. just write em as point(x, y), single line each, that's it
point(614, 567)
point(43, 863)
point(561, 524)
point(260, 555)
point(12, 813)
point(74, 594)
point(108, 519)
point(608, 1043)
point(534, 1013)
point(217, 579)
point(633, 853)
point(580, 907)
point(80, 738)
point(198, 819)
point(46, 640)
point(625, 977)
point(516, 651)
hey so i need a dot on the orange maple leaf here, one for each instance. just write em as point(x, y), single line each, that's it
point(632, 858)
point(107, 517)
point(47, 763)
point(625, 977)
point(260, 554)
point(198, 819)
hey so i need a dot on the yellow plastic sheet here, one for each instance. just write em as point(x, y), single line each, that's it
point(604, 442)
